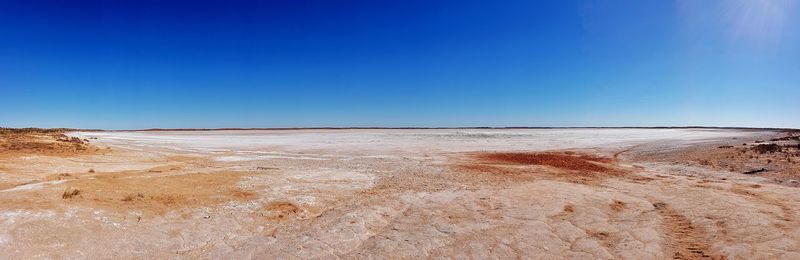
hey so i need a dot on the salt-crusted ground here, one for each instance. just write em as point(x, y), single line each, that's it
point(479, 193)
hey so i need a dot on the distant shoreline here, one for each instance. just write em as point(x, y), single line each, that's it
point(402, 128)
point(456, 128)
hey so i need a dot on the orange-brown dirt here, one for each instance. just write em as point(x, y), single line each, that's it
point(51, 142)
point(686, 241)
point(777, 159)
point(142, 191)
point(279, 210)
point(158, 194)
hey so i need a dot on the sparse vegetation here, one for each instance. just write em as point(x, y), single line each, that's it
point(132, 197)
point(60, 176)
point(766, 148)
point(787, 138)
point(40, 141)
point(70, 193)
point(4, 130)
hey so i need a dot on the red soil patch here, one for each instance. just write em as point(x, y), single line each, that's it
point(565, 161)
point(573, 167)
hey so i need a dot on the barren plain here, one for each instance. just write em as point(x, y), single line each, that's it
point(402, 193)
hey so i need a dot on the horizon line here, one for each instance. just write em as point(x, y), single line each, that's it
point(411, 128)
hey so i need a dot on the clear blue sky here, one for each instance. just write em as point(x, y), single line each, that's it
point(145, 64)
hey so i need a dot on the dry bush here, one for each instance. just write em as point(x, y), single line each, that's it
point(34, 130)
point(766, 148)
point(40, 141)
point(67, 139)
point(70, 193)
point(132, 197)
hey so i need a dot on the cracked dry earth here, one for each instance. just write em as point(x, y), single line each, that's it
point(454, 193)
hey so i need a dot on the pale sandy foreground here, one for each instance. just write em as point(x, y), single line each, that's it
point(328, 194)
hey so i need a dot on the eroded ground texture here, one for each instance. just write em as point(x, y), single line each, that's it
point(455, 193)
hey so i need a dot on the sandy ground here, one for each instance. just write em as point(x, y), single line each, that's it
point(455, 193)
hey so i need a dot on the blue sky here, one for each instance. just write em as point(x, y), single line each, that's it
point(147, 64)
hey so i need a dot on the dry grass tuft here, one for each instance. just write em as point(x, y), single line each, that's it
point(70, 193)
point(766, 148)
point(280, 210)
point(132, 197)
point(148, 193)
